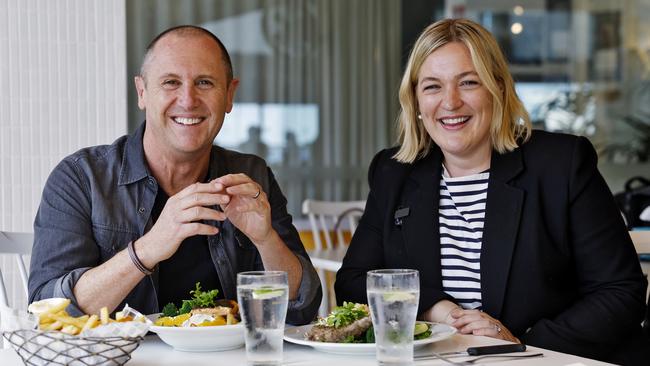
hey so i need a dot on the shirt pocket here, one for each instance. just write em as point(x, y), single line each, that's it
point(248, 258)
point(111, 240)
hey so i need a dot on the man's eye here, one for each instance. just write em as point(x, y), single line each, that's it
point(204, 83)
point(170, 83)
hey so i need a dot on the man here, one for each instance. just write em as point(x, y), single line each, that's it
point(144, 219)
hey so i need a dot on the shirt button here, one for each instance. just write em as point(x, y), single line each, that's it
point(141, 210)
point(151, 181)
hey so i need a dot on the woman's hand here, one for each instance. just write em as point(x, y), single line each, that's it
point(477, 322)
point(440, 312)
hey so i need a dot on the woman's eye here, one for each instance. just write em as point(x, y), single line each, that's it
point(431, 87)
point(469, 83)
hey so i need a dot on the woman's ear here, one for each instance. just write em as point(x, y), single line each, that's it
point(501, 84)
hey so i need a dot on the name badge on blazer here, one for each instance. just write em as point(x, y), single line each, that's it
point(400, 214)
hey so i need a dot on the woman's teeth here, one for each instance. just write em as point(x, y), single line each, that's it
point(187, 121)
point(454, 121)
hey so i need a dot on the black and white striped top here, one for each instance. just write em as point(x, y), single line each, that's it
point(461, 217)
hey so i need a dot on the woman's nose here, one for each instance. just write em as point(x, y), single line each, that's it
point(451, 99)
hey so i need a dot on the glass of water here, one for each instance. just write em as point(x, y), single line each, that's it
point(393, 296)
point(263, 298)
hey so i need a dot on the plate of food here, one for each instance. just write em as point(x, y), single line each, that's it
point(201, 324)
point(348, 330)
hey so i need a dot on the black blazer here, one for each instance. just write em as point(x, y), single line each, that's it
point(558, 267)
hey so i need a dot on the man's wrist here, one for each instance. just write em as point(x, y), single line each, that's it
point(137, 262)
point(146, 257)
point(273, 238)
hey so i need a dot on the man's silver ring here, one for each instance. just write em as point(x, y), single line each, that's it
point(497, 328)
point(259, 191)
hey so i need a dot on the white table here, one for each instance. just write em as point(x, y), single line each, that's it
point(152, 352)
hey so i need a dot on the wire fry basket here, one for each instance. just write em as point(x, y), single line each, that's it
point(55, 348)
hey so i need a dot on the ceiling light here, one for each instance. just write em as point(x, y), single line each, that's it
point(518, 10)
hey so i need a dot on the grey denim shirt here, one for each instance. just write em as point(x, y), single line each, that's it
point(100, 198)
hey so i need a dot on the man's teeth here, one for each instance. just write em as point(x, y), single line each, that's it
point(454, 121)
point(187, 121)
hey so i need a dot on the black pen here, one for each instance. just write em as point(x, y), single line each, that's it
point(489, 350)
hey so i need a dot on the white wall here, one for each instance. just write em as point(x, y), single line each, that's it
point(62, 87)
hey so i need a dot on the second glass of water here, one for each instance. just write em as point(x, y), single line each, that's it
point(393, 296)
point(263, 297)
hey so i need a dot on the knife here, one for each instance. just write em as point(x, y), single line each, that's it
point(489, 350)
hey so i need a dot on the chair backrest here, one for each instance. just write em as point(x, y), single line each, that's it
point(15, 245)
point(326, 217)
point(641, 240)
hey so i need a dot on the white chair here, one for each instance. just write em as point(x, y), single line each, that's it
point(17, 245)
point(641, 240)
point(329, 221)
point(326, 217)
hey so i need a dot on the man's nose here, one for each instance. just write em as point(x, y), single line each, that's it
point(451, 99)
point(188, 97)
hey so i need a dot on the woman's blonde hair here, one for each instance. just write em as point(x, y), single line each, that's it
point(510, 121)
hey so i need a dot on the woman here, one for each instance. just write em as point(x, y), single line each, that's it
point(514, 232)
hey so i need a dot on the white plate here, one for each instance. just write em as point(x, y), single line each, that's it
point(201, 339)
point(297, 335)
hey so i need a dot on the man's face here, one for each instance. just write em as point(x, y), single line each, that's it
point(185, 94)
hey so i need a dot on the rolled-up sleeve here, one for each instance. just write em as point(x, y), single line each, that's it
point(64, 247)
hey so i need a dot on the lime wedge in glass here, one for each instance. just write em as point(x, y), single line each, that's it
point(398, 296)
point(267, 293)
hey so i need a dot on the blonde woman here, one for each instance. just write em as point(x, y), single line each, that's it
point(514, 232)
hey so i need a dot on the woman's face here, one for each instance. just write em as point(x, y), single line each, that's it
point(455, 106)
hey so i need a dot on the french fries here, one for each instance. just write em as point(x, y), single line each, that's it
point(103, 315)
point(52, 316)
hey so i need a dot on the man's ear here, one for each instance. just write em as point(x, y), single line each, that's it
point(232, 88)
point(140, 88)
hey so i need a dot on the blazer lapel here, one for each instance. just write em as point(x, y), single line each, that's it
point(502, 217)
point(420, 229)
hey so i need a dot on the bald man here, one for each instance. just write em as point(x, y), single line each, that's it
point(144, 219)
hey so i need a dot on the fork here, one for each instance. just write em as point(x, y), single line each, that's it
point(474, 360)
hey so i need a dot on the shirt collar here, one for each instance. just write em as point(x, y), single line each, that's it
point(134, 166)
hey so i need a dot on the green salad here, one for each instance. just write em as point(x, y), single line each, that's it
point(200, 299)
point(350, 312)
point(421, 331)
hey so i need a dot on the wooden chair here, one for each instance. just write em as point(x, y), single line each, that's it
point(16, 245)
point(329, 221)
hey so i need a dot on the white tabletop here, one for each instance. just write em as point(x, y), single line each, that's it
point(152, 352)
